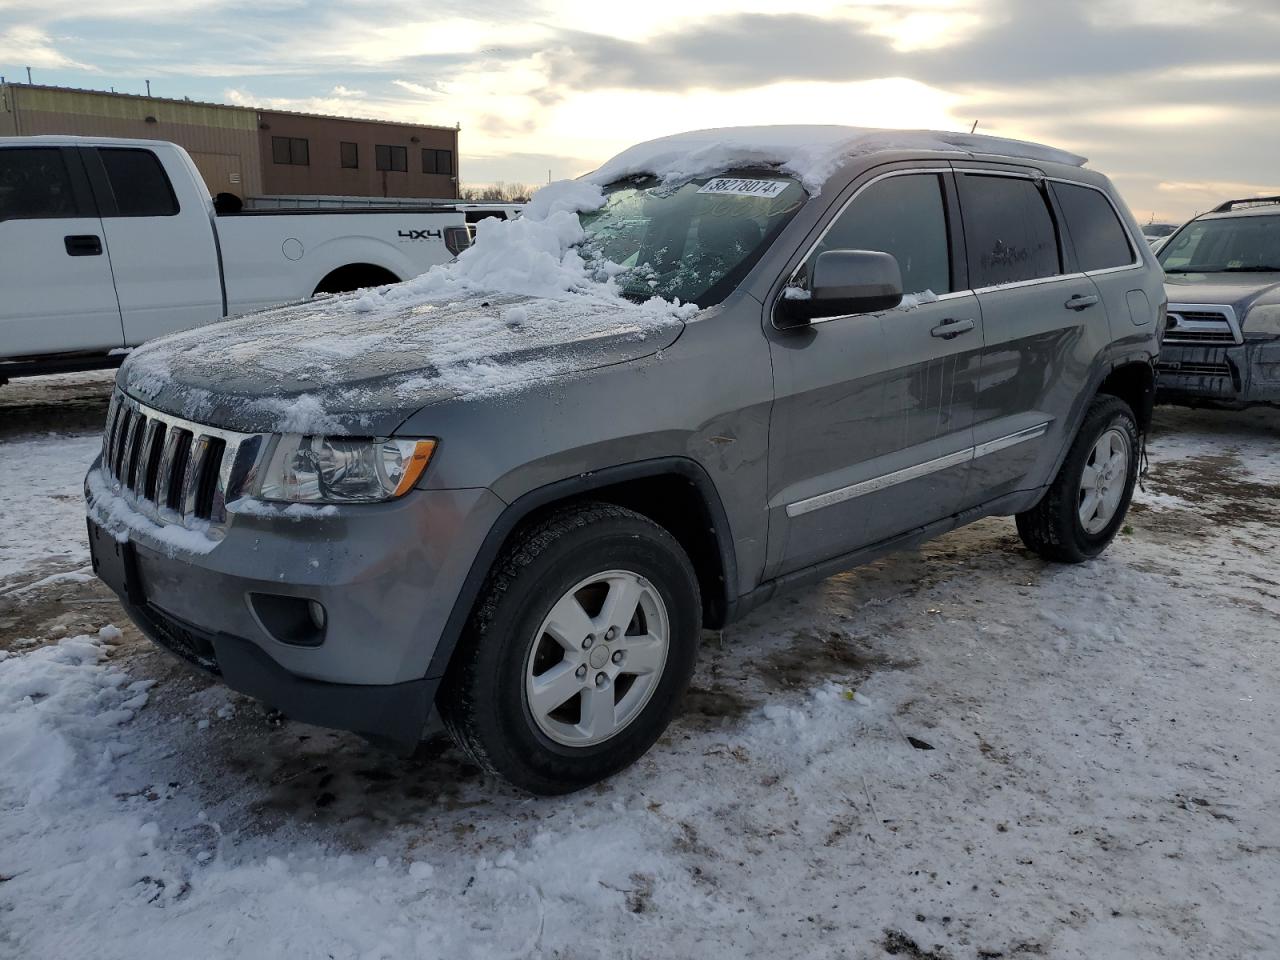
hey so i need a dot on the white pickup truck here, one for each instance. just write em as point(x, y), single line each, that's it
point(107, 243)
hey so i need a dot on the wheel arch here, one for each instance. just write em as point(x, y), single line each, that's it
point(1134, 382)
point(674, 492)
point(355, 276)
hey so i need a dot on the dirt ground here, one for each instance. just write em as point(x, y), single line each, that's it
point(957, 752)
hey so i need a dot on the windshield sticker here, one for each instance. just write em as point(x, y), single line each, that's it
point(735, 187)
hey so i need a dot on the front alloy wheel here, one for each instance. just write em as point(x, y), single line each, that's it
point(581, 644)
point(596, 659)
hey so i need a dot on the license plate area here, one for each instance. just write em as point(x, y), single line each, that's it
point(116, 564)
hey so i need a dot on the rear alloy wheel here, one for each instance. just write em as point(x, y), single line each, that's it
point(1085, 505)
point(1103, 480)
point(581, 644)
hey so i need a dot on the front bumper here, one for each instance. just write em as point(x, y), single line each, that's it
point(1234, 374)
point(386, 574)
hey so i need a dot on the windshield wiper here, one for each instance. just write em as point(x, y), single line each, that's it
point(1262, 269)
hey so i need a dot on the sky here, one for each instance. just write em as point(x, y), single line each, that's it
point(1178, 101)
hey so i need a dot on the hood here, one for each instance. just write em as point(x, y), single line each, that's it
point(359, 364)
point(1238, 290)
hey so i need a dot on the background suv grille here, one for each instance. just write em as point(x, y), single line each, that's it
point(1200, 325)
point(172, 469)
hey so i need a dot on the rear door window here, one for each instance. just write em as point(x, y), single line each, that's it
point(1008, 230)
point(36, 185)
point(140, 185)
point(1099, 239)
point(905, 216)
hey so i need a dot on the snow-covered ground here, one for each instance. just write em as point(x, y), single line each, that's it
point(960, 752)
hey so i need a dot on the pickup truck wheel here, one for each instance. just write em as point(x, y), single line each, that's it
point(1088, 499)
point(581, 644)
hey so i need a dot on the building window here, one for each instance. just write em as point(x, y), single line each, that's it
point(437, 161)
point(391, 158)
point(291, 150)
point(350, 153)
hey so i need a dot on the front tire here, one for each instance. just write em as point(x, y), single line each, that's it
point(1086, 503)
point(581, 644)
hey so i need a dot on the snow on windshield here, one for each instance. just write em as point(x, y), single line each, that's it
point(809, 153)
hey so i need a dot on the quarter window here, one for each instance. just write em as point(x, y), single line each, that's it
point(391, 158)
point(905, 216)
point(349, 154)
point(35, 185)
point(1096, 233)
point(139, 183)
point(1008, 229)
point(291, 150)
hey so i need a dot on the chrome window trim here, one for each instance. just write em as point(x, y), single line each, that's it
point(905, 172)
point(1228, 312)
point(1128, 234)
point(1137, 263)
point(875, 484)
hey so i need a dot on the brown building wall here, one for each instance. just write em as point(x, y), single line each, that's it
point(323, 175)
point(223, 141)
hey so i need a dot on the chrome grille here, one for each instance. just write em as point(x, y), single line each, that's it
point(1200, 324)
point(1192, 369)
point(174, 470)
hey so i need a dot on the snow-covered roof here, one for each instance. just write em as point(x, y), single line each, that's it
point(809, 153)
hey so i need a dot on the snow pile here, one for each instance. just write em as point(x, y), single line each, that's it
point(809, 153)
point(40, 536)
point(61, 708)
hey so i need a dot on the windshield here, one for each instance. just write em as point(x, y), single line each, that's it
point(1229, 245)
point(694, 242)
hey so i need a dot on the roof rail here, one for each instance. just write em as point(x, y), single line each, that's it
point(1244, 202)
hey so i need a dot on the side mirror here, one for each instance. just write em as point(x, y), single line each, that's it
point(845, 282)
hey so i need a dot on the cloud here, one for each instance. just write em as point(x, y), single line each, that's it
point(1157, 92)
point(34, 48)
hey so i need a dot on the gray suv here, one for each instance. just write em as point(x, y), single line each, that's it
point(1222, 340)
point(919, 339)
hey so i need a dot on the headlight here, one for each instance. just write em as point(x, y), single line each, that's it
point(1264, 320)
point(343, 469)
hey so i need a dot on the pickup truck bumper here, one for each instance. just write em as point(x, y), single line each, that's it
point(1234, 375)
point(386, 576)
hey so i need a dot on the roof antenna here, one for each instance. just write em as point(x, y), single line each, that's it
point(28, 76)
point(148, 88)
point(974, 127)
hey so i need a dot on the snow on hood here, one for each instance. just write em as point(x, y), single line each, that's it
point(520, 305)
point(809, 153)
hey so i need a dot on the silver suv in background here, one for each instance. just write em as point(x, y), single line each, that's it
point(333, 508)
point(1222, 340)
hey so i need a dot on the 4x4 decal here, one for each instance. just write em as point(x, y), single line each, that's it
point(420, 234)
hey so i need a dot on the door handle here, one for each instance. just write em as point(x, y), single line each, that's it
point(950, 329)
point(1080, 302)
point(83, 245)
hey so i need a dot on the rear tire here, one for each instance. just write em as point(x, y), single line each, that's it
point(1086, 503)
point(581, 645)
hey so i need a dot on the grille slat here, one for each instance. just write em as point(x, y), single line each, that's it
point(172, 470)
point(1189, 369)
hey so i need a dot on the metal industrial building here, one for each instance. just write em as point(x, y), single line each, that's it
point(251, 152)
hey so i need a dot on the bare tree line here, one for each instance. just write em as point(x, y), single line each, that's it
point(497, 192)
